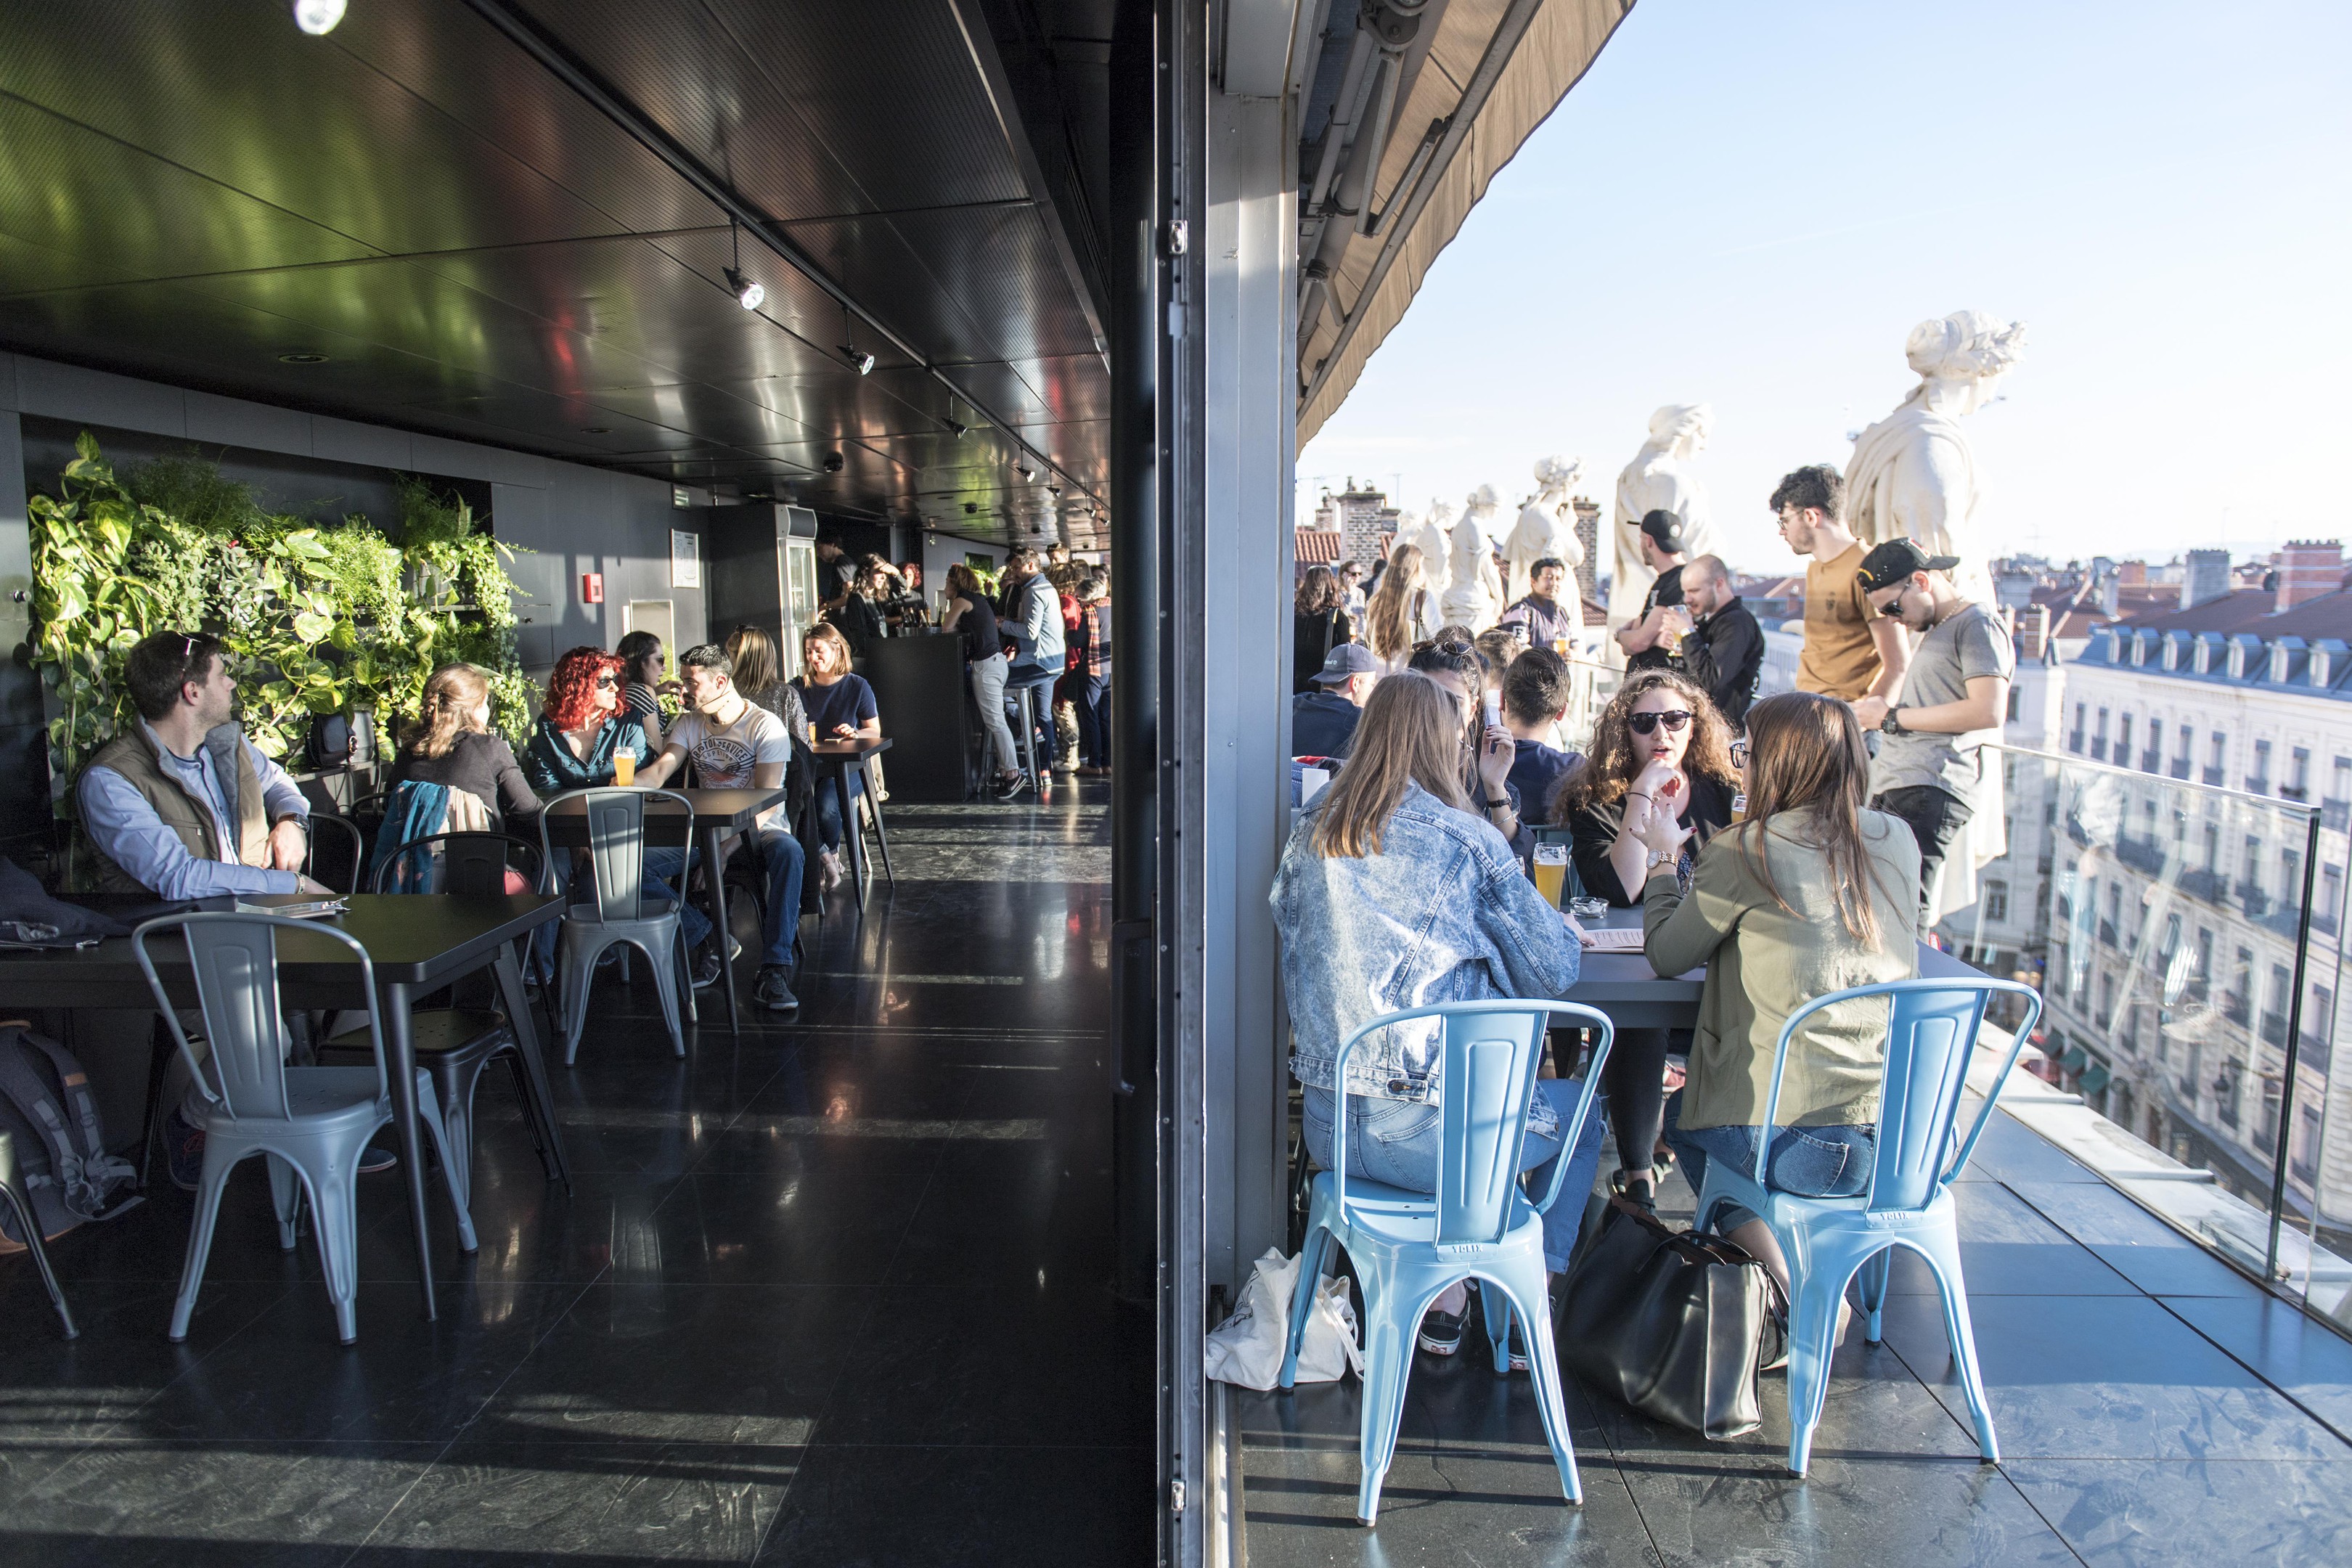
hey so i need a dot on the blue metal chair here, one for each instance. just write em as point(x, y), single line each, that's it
point(310, 1122)
point(626, 904)
point(1409, 1246)
point(1931, 1034)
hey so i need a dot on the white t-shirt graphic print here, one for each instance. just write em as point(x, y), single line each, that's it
point(723, 758)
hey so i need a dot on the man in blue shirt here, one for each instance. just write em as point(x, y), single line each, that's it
point(1535, 692)
point(184, 806)
point(1323, 722)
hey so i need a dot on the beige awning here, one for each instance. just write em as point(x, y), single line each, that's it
point(1380, 274)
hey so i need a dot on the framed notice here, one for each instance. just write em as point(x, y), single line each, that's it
point(684, 559)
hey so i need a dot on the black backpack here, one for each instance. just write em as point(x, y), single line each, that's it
point(61, 1158)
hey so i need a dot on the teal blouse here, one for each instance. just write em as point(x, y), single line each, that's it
point(551, 768)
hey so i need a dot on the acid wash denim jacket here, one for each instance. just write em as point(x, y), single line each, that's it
point(1442, 913)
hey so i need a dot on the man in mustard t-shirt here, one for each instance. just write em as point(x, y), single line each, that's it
point(1851, 652)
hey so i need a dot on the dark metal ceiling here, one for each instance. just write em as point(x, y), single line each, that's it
point(510, 223)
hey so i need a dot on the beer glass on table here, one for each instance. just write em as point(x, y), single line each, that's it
point(625, 768)
point(1551, 871)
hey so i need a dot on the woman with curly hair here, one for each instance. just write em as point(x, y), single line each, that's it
point(1660, 751)
point(581, 725)
point(1320, 615)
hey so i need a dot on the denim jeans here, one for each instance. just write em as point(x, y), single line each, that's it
point(781, 862)
point(661, 865)
point(1811, 1162)
point(1094, 720)
point(828, 808)
point(1396, 1141)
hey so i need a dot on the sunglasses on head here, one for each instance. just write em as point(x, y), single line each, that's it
point(1647, 723)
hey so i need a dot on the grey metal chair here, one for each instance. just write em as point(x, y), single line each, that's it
point(12, 1188)
point(309, 1123)
point(620, 908)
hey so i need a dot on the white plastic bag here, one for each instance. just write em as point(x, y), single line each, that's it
point(1245, 1350)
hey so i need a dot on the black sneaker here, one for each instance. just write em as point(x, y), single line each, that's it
point(184, 1151)
point(375, 1160)
point(705, 967)
point(774, 990)
point(1441, 1333)
point(1011, 789)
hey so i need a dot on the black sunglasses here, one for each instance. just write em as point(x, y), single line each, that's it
point(1892, 608)
point(1647, 723)
point(606, 682)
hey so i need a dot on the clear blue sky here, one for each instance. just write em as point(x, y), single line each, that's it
point(1751, 205)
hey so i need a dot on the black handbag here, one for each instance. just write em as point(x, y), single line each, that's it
point(1674, 1323)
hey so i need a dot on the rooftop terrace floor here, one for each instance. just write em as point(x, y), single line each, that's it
point(2152, 1406)
point(834, 1293)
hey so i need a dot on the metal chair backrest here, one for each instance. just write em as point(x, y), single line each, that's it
point(1489, 1054)
point(358, 845)
point(473, 865)
point(235, 961)
point(1931, 1037)
point(617, 845)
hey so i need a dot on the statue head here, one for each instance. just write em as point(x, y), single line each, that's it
point(1960, 356)
point(1557, 473)
point(1484, 499)
point(1440, 514)
point(1682, 428)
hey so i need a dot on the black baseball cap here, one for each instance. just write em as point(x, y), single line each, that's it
point(1894, 560)
point(1350, 659)
point(1664, 529)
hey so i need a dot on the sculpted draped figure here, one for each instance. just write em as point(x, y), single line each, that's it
point(1914, 473)
point(1546, 526)
point(1434, 539)
point(1474, 589)
point(1658, 479)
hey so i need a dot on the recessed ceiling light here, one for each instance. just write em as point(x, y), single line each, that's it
point(317, 18)
point(301, 359)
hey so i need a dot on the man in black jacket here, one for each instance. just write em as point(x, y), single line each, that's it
point(1725, 649)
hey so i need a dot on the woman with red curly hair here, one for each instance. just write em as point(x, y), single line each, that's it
point(581, 725)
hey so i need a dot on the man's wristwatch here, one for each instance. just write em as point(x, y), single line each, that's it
point(1891, 725)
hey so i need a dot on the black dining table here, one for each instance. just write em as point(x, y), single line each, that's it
point(718, 814)
point(833, 761)
point(416, 943)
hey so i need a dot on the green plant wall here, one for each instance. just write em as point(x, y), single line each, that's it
point(320, 620)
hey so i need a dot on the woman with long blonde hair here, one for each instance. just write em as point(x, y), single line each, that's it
point(1394, 893)
point(1402, 610)
point(1812, 893)
point(451, 743)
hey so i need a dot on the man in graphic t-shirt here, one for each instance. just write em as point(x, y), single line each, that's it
point(736, 745)
point(1648, 641)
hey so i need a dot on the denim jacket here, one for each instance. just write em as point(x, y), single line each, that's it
point(1442, 913)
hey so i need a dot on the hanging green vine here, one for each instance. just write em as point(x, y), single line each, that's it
point(318, 620)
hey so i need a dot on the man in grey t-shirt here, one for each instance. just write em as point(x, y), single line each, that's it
point(1954, 698)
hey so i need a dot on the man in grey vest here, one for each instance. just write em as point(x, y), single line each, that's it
point(184, 806)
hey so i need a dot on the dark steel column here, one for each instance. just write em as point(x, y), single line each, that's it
point(1133, 328)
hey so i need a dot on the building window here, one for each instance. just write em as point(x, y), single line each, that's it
point(2319, 1029)
point(1995, 900)
point(2123, 740)
point(2217, 762)
point(2266, 1127)
point(2212, 849)
point(2298, 774)
point(2238, 1005)
point(2331, 899)
point(2106, 1001)
point(2259, 781)
point(2290, 876)
point(2075, 736)
point(2225, 1091)
point(2304, 1158)
point(2099, 738)
point(2274, 1011)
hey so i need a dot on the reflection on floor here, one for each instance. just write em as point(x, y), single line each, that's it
point(2152, 1407)
point(832, 1293)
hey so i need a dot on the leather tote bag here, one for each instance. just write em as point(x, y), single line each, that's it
point(1674, 1323)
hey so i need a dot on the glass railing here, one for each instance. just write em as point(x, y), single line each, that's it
point(2191, 995)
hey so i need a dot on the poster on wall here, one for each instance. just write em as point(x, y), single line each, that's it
point(684, 559)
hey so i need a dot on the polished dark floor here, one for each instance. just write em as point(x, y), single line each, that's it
point(836, 1292)
point(2152, 1407)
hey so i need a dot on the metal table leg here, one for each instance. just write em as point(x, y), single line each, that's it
point(849, 835)
point(714, 838)
point(400, 1047)
point(874, 805)
point(526, 1030)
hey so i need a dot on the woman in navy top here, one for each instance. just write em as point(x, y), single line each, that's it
point(840, 707)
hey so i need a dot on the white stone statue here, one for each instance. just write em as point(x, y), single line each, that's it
point(1914, 473)
point(1435, 538)
point(1474, 589)
point(1659, 478)
point(1547, 526)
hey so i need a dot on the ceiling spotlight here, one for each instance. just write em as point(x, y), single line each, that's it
point(317, 18)
point(834, 462)
point(301, 359)
point(857, 357)
point(747, 293)
point(1024, 470)
point(956, 429)
point(1053, 489)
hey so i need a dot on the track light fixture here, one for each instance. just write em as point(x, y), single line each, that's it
point(1053, 490)
point(834, 462)
point(317, 18)
point(956, 429)
point(860, 360)
point(1021, 468)
point(748, 294)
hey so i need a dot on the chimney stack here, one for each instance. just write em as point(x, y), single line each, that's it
point(2207, 578)
point(2032, 634)
point(2308, 569)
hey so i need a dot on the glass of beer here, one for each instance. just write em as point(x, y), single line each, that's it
point(1551, 871)
point(1559, 647)
point(625, 768)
